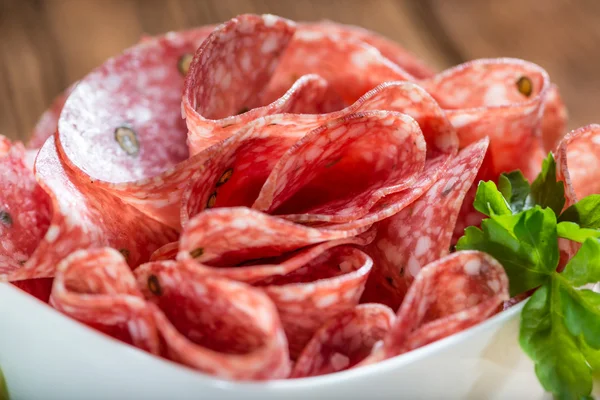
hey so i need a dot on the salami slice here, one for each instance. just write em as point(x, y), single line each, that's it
point(229, 236)
point(344, 341)
point(227, 328)
point(96, 287)
point(499, 98)
point(308, 296)
point(261, 269)
point(337, 172)
point(448, 296)
point(239, 167)
point(121, 127)
point(166, 252)
point(84, 217)
point(238, 57)
point(5, 145)
point(578, 162)
point(400, 56)
point(336, 57)
point(25, 211)
point(422, 232)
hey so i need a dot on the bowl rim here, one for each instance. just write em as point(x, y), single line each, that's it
point(32, 304)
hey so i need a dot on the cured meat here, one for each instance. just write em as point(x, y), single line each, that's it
point(217, 326)
point(96, 287)
point(166, 252)
point(25, 211)
point(337, 172)
point(256, 270)
point(121, 127)
point(388, 49)
point(578, 162)
point(308, 296)
point(422, 232)
point(344, 341)
point(80, 220)
point(448, 296)
point(338, 58)
point(237, 169)
point(229, 236)
point(238, 57)
point(245, 160)
point(499, 98)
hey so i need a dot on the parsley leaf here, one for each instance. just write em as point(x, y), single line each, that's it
point(489, 201)
point(559, 364)
point(528, 251)
point(585, 213)
point(3, 390)
point(560, 323)
point(515, 189)
point(572, 231)
point(546, 190)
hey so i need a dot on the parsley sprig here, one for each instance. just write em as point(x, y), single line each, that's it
point(560, 323)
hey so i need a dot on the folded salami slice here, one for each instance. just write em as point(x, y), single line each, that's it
point(238, 57)
point(500, 98)
point(337, 57)
point(166, 252)
point(260, 269)
point(578, 162)
point(308, 296)
point(389, 49)
point(221, 327)
point(228, 236)
point(25, 210)
point(121, 127)
point(448, 296)
point(83, 217)
point(337, 172)
point(97, 287)
point(421, 233)
point(344, 341)
point(238, 168)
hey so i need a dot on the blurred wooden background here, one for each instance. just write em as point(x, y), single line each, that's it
point(47, 44)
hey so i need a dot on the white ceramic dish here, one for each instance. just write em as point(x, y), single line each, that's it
point(46, 355)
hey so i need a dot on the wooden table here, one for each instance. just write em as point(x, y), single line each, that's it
point(47, 44)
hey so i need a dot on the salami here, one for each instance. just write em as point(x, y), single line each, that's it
point(337, 57)
point(577, 162)
point(25, 211)
point(344, 341)
point(229, 236)
point(421, 233)
point(121, 127)
point(246, 159)
point(97, 287)
point(239, 57)
point(500, 98)
point(256, 270)
point(255, 200)
point(308, 296)
point(448, 296)
point(405, 60)
point(79, 221)
point(228, 329)
point(367, 155)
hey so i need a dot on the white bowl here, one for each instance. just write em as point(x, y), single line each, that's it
point(45, 355)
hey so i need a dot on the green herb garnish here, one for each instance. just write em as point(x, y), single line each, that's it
point(560, 323)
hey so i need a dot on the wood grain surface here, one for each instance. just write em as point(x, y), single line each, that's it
point(47, 44)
